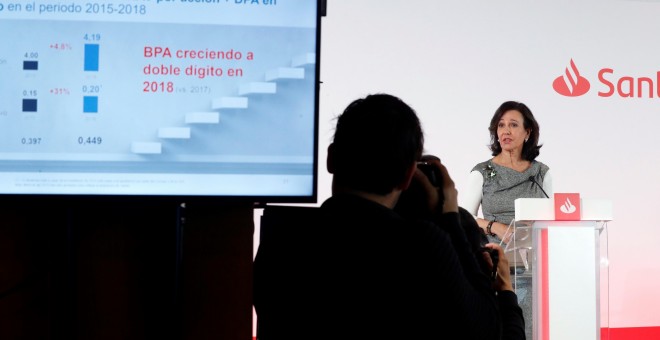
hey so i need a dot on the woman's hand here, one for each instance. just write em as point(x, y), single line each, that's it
point(501, 230)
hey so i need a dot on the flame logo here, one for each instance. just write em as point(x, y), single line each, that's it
point(568, 207)
point(571, 83)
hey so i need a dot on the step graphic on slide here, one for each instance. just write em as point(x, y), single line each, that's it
point(146, 147)
point(306, 59)
point(257, 87)
point(285, 73)
point(229, 103)
point(240, 102)
point(210, 117)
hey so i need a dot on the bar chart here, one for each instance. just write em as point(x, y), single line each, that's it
point(91, 57)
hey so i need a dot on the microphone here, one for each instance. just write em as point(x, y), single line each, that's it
point(531, 178)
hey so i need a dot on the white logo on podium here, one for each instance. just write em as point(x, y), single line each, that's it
point(567, 207)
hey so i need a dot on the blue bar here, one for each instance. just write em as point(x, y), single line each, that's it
point(91, 57)
point(30, 65)
point(90, 104)
point(29, 105)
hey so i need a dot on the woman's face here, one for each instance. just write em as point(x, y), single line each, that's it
point(511, 131)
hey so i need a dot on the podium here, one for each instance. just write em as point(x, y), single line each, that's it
point(562, 258)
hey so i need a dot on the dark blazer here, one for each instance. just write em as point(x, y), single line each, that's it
point(356, 269)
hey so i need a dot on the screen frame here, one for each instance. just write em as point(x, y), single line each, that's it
point(257, 199)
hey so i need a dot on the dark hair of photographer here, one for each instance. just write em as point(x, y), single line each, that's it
point(376, 140)
point(530, 149)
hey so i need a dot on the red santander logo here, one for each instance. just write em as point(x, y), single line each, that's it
point(571, 83)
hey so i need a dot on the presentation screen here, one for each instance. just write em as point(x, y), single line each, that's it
point(190, 98)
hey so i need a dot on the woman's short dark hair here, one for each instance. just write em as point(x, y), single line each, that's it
point(531, 147)
point(377, 139)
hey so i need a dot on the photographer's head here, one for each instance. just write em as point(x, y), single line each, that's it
point(377, 141)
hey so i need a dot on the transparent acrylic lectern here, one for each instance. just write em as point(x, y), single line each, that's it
point(563, 260)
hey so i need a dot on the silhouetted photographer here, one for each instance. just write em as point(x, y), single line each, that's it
point(417, 202)
point(368, 270)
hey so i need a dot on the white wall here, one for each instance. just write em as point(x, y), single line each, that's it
point(454, 62)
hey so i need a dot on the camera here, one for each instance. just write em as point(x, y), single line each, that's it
point(431, 173)
point(414, 200)
point(495, 257)
point(434, 176)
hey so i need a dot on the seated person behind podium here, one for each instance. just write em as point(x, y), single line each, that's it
point(366, 272)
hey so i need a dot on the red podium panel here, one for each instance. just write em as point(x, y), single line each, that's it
point(563, 260)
